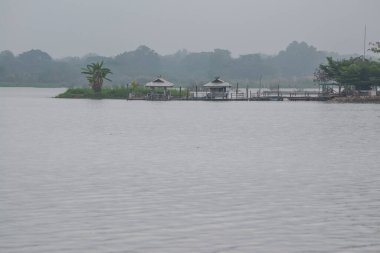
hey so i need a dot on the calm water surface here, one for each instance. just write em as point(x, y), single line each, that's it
point(138, 176)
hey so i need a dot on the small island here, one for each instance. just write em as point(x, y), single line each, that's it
point(353, 80)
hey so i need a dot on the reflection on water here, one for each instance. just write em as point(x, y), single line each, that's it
point(123, 176)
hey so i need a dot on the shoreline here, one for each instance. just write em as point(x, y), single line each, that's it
point(142, 94)
point(336, 100)
point(124, 96)
point(356, 100)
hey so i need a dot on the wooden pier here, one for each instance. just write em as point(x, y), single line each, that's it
point(239, 95)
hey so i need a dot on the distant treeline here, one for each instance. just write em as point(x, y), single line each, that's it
point(292, 67)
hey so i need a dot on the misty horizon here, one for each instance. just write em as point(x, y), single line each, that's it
point(185, 50)
point(295, 64)
point(67, 28)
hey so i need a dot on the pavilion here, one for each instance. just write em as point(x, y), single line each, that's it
point(217, 89)
point(159, 83)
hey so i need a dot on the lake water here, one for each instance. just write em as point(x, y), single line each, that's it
point(139, 176)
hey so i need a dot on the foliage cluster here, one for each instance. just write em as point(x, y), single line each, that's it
point(359, 73)
point(139, 90)
point(375, 47)
point(95, 74)
point(184, 92)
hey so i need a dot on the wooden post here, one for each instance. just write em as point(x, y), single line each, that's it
point(259, 92)
point(247, 91)
point(127, 95)
point(180, 92)
point(237, 88)
point(196, 91)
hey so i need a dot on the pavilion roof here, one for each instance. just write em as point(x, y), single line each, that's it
point(159, 82)
point(217, 83)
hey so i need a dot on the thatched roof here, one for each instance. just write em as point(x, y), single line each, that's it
point(217, 83)
point(159, 82)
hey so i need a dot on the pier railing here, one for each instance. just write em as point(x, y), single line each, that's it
point(241, 94)
point(217, 95)
point(238, 95)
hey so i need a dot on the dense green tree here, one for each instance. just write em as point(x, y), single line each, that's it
point(196, 65)
point(35, 56)
point(142, 61)
point(34, 66)
point(298, 59)
point(6, 56)
point(357, 72)
point(95, 74)
point(375, 47)
point(219, 63)
point(7, 66)
point(251, 66)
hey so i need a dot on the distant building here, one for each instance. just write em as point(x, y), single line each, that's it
point(159, 89)
point(217, 89)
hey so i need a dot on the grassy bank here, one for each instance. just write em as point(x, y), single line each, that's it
point(108, 93)
point(115, 92)
point(33, 85)
point(358, 100)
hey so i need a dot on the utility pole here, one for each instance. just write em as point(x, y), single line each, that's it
point(365, 41)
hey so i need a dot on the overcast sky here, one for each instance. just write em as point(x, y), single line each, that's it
point(109, 27)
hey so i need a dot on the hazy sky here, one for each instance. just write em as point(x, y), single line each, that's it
point(109, 27)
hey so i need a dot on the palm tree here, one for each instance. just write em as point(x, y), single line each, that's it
point(95, 75)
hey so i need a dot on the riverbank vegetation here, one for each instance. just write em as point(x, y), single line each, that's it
point(109, 93)
point(119, 92)
point(33, 85)
point(354, 75)
point(351, 74)
point(357, 100)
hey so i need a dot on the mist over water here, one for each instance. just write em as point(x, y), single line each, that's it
point(139, 176)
